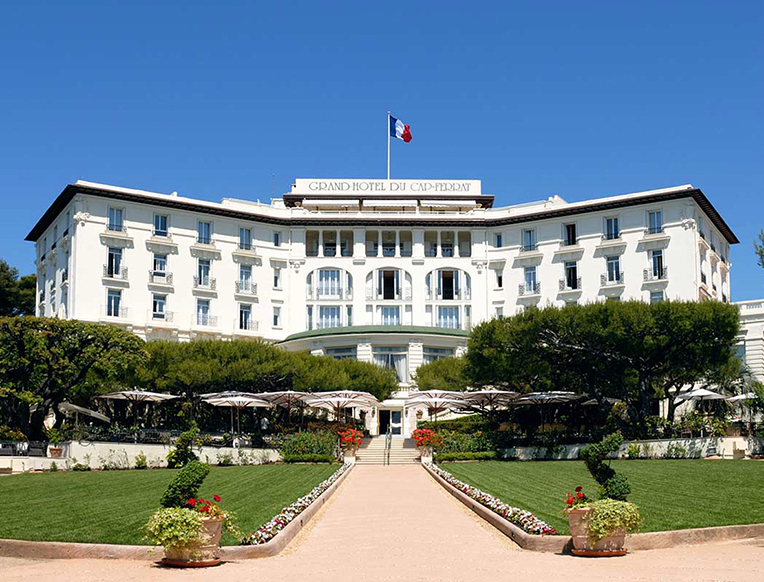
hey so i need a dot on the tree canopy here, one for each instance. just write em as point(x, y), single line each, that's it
point(44, 361)
point(17, 295)
point(634, 351)
point(442, 374)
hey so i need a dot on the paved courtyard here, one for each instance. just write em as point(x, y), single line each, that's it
point(396, 523)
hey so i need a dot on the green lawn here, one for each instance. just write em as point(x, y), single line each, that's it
point(111, 506)
point(670, 494)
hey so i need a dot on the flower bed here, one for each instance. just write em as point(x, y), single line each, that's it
point(268, 531)
point(523, 519)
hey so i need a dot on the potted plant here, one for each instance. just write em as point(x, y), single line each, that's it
point(350, 440)
point(599, 528)
point(55, 438)
point(190, 535)
point(426, 439)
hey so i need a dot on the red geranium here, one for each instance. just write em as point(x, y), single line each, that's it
point(578, 499)
point(216, 497)
point(192, 502)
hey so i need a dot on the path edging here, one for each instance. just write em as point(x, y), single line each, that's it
point(74, 550)
point(643, 541)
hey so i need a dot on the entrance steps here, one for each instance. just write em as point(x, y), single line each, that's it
point(403, 451)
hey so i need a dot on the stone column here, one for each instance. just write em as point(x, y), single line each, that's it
point(397, 243)
point(438, 252)
point(379, 241)
point(320, 243)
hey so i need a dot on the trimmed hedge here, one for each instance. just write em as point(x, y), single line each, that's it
point(185, 485)
point(469, 423)
point(309, 459)
point(481, 456)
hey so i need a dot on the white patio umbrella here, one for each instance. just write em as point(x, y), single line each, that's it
point(137, 395)
point(338, 402)
point(607, 400)
point(435, 403)
point(700, 394)
point(286, 398)
point(237, 402)
point(490, 397)
point(357, 394)
point(69, 408)
point(743, 397)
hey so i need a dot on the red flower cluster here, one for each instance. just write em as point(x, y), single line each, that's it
point(208, 508)
point(577, 498)
point(425, 437)
point(350, 438)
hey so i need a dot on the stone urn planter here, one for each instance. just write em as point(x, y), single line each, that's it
point(55, 451)
point(425, 454)
point(201, 554)
point(610, 545)
point(349, 456)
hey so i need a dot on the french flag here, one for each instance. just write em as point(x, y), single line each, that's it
point(399, 130)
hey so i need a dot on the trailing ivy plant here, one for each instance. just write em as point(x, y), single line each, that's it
point(612, 485)
point(608, 516)
point(174, 527)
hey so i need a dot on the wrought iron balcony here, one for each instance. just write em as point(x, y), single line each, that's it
point(524, 289)
point(654, 229)
point(654, 274)
point(160, 277)
point(611, 236)
point(247, 324)
point(607, 280)
point(112, 272)
point(167, 316)
point(571, 284)
point(115, 311)
point(203, 240)
point(209, 283)
point(116, 227)
point(529, 248)
point(244, 246)
point(246, 287)
point(206, 319)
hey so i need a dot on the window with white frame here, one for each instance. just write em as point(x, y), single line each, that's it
point(390, 315)
point(158, 306)
point(392, 357)
point(203, 269)
point(329, 283)
point(277, 277)
point(569, 234)
point(245, 239)
point(657, 266)
point(499, 278)
point(276, 316)
point(114, 303)
point(349, 319)
point(116, 219)
point(245, 278)
point(530, 279)
point(204, 232)
point(614, 269)
point(245, 317)
point(498, 240)
point(329, 316)
point(612, 228)
point(529, 240)
point(499, 313)
point(348, 353)
point(161, 225)
point(114, 262)
point(656, 296)
point(448, 317)
point(655, 221)
point(160, 265)
point(276, 238)
point(203, 312)
point(432, 354)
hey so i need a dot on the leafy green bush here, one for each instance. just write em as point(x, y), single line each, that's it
point(183, 452)
point(634, 451)
point(308, 443)
point(460, 442)
point(479, 456)
point(53, 467)
point(10, 434)
point(140, 461)
point(174, 527)
point(311, 458)
point(225, 459)
point(675, 451)
point(469, 424)
point(185, 485)
point(608, 516)
point(612, 485)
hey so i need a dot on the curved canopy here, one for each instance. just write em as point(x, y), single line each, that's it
point(137, 395)
point(554, 397)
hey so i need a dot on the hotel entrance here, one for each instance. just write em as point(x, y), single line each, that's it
point(392, 419)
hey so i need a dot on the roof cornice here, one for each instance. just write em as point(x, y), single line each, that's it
point(72, 190)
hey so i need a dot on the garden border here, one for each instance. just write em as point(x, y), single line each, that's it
point(644, 541)
point(74, 550)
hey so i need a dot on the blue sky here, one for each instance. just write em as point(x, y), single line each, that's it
point(212, 99)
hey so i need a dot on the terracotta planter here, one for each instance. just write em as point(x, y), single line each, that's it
point(198, 554)
point(55, 452)
point(611, 545)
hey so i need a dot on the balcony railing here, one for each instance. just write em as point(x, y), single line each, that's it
point(205, 283)
point(656, 274)
point(64, 275)
point(115, 227)
point(167, 316)
point(458, 295)
point(398, 296)
point(160, 277)
point(529, 248)
point(115, 273)
point(570, 284)
point(246, 287)
point(115, 311)
point(203, 240)
point(654, 229)
point(611, 236)
point(244, 246)
point(205, 319)
point(246, 324)
point(159, 233)
point(333, 293)
point(608, 280)
point(529, 289)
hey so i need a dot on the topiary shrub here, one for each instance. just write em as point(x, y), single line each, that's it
point(183, 452)
point(185, 485)
point(612, 485)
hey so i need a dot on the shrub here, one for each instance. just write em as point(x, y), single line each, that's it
point(10, 434)
point(309, 458)
point(458, 442)
point(675, 451)
point(634, 451)
point(77, 466)
point(467, 424)
point(307, 443)
point(183, 452)
point(612, 485)
point(53, 467)
point(140, 461)
point(174, 527)
point(479, 456)
point(610, 515)
point(185, 485)
point(225, 459)
point(54, 436)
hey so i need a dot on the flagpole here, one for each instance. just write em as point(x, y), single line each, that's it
point(388, 145)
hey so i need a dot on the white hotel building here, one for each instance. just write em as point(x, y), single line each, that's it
point(390, 271)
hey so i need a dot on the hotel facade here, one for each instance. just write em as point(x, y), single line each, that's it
point(395, 272)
